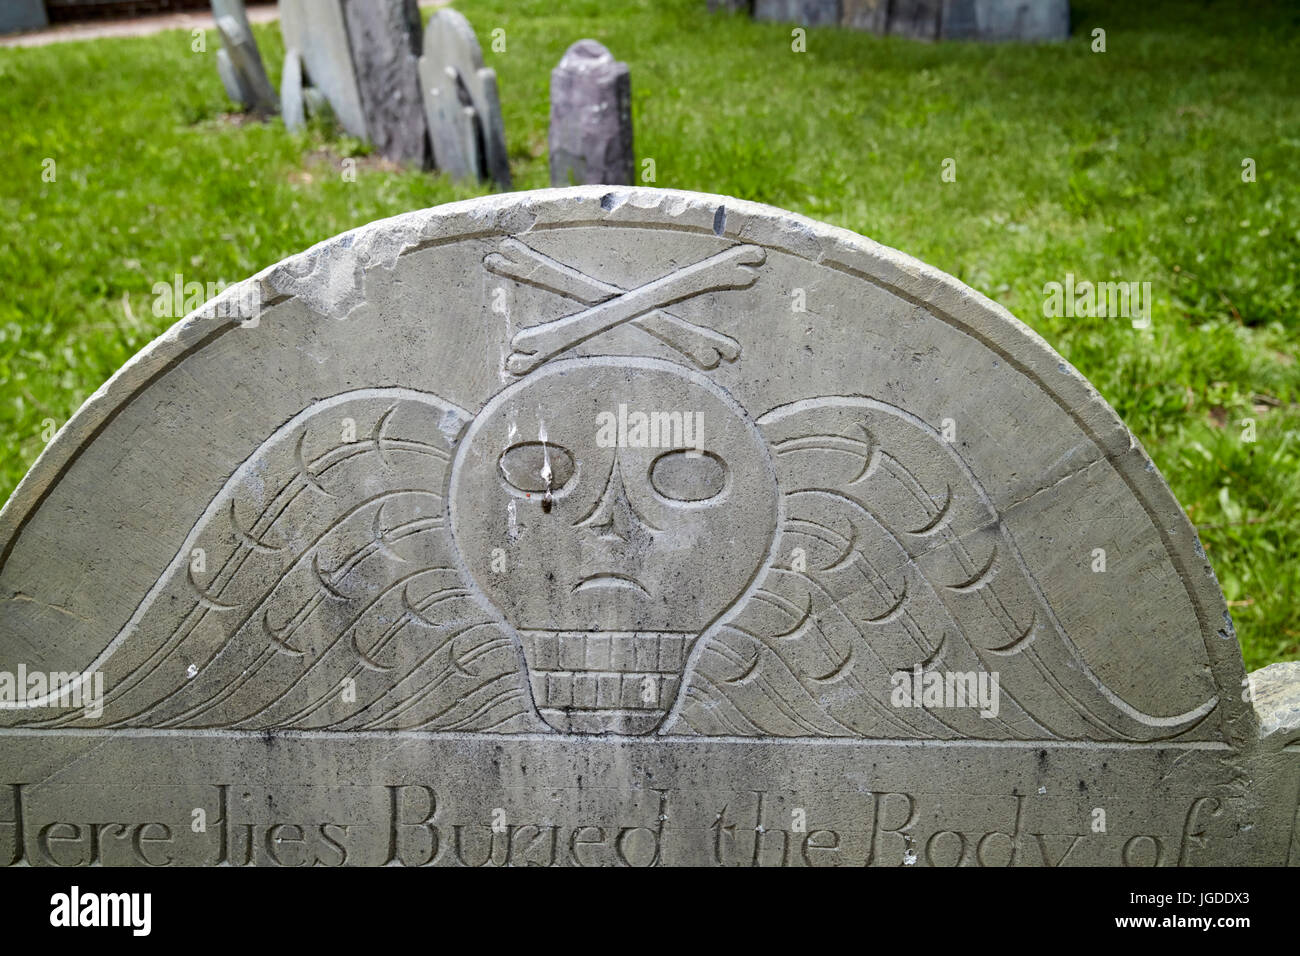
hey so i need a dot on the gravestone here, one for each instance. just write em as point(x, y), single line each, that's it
point(1005, 20)
point(316, 43)
point(591, 118)
point(386, 37)
point(809, 13)
point(17, 15)
point(461, 103)
point(239, 62)
point(987, 20)
point(870, 15)
point(652, 527)
point(917, 19)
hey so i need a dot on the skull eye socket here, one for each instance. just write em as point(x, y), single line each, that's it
point(533, 467)
point(689, 476)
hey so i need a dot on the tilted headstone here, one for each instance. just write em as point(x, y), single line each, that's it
point(293, 109)
point(461, 103)
point(239, 62)
point(386, 38)
point(316, 39)
point(591, 118)
point(656, 520)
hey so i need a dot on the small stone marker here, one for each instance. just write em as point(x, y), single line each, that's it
point(462, 103)
point(663, 528)
point(316, 39)
point(591, 118)
point(386, 36)
point(239, 62)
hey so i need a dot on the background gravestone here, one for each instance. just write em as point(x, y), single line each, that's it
point(385, 36)
point(918, 19)
point(316, 38)
point(871, 15)
point(551, 502)
point(461, 102)
point(239, 62)
point(591, 118)
point(16, 15)
point(810, 13)
point(1006, 19)
point(988, 20)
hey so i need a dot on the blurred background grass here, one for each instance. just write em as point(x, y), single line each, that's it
point(1124, 165)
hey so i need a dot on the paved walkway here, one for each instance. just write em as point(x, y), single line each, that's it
point(143, 26)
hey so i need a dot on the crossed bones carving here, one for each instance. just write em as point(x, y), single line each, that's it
point(611, 306)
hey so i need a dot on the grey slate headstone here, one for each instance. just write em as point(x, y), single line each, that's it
point(808, 13)
point(317, 30)
point(461, 102)
point(991, 20)
point(239, 62)
point(550, 502)
point(17, 15)
point(591, 118)
point(870, 15)
point(917, 19)
point(386, 39)
point(986, 20)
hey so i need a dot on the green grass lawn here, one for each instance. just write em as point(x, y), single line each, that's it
point(1123, 165)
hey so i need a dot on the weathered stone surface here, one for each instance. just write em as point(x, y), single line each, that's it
point(461, 102)
point(1006, 20)
point(380, 541)
point(809, 13)
point(386, 38)
point(318, 32)
point(591, 118)
point(239, 62)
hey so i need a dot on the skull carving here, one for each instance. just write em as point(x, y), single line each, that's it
point(612, 510)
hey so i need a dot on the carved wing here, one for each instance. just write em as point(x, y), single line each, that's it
point(319, 589)
point(891, 558)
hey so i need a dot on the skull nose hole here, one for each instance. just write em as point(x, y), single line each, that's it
point(614, 519)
